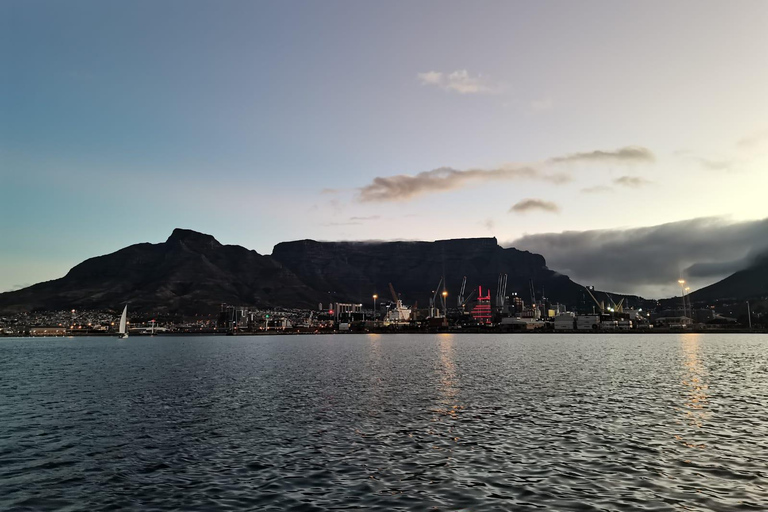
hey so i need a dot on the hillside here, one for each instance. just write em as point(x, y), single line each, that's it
point(189, 273)
point(356, 270)
point(193, 273)
point(752, 282)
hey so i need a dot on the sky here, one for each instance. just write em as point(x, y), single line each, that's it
point(580, 130)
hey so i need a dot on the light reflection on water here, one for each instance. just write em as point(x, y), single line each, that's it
point(447, 378)
point(695, 405)
point(378, 422)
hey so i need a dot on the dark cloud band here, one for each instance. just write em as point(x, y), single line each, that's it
point(649, 261)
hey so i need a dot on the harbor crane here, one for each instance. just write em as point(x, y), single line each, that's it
point(402, 314)
point(501, 291)
point(460, 299)
point(618, 308)
point(434, 311)
point(467, 298)
point(394, 294)
point(600, 305)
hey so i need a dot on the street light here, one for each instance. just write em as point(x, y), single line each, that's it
point(445, 304)
point(375, 296)
point(682, 293)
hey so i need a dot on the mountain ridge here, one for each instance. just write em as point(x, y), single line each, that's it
point(191, 272)
point(747, 283)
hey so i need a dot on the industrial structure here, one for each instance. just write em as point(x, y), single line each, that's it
point(398, 314)
point(482, 313)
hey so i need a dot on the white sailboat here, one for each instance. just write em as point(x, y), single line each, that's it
point(123, 333)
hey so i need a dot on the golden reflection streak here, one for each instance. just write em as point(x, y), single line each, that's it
point(448, 379)
point(696, 399)
point(375, 374)
point(374, 342)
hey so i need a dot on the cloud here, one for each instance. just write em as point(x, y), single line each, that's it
point(715, 165)
point(753, 141)
point(329, 191)
point(706, 163)
point(631, 181)
point(628, 154)
point(404, 187)
point(527, 205)
point(648, 261)
point(430, 78)
point(371, 217)
point(489, 224)
point(598, 189)
point(336, 206)
point(459, 81)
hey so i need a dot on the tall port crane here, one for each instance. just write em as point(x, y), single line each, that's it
point(467, 298)
point(460, 299)
point(394, 294)
point(501, 291)
point(433, 309)
point(600, 305)
point(618, 308)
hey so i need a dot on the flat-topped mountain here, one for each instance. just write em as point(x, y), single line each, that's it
point(193, 273)
point(356, 270)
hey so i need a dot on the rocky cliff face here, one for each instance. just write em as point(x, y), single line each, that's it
point(189, 273)
point(356, 270)
point(193, 273)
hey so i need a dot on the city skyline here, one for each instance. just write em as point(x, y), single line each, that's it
point(552, 129)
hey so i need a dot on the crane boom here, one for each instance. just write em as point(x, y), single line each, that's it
point(617, 307)
point(467, 299)
point(599, 304)
point(433, 300)
point(501, 291)
point(394, 294)
point(504, 291)
point(460, 298)
point(533, 292)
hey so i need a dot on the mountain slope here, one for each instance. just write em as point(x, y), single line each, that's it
point(189, 273)
point(355, 270)
point(745, 284)
point(193, 273)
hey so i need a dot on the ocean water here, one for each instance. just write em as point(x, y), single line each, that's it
point(385, 422)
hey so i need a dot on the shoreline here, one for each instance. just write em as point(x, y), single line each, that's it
point(400, 331)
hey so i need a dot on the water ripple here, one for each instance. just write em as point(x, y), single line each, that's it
point(443, 422)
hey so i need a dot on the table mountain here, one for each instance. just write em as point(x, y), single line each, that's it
point(356, 270)
point(193, 273)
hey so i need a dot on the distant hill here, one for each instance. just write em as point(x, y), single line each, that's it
point(752, 282)
point(193, 273)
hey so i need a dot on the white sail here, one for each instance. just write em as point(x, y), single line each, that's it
point(123, 321)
